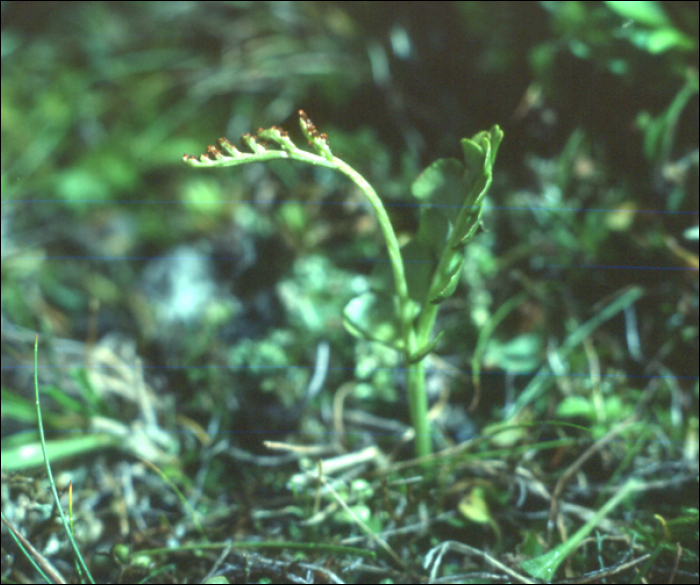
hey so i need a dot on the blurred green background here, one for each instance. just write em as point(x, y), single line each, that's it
point(226, 284)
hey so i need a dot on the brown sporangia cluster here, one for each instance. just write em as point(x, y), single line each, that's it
point(214, 153)
point(311, 129)
point(283, 133)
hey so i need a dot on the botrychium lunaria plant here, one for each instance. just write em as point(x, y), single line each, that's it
point(399, 312)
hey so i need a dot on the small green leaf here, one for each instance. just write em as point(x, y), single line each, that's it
point(474, 507)
point(496, 136)
point(473, 224)
point(473, 152)
point(479, 155)
point(414, 358)
point(450, 279)
point(441, 185)
point(419, 264)
point(433, 229)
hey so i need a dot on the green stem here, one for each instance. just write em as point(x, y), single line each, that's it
point(418, 403)
point(392, 242)
point(415, 375)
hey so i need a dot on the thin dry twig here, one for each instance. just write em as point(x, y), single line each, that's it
point(596, 576)
point(46, 565)
point(452, 545)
